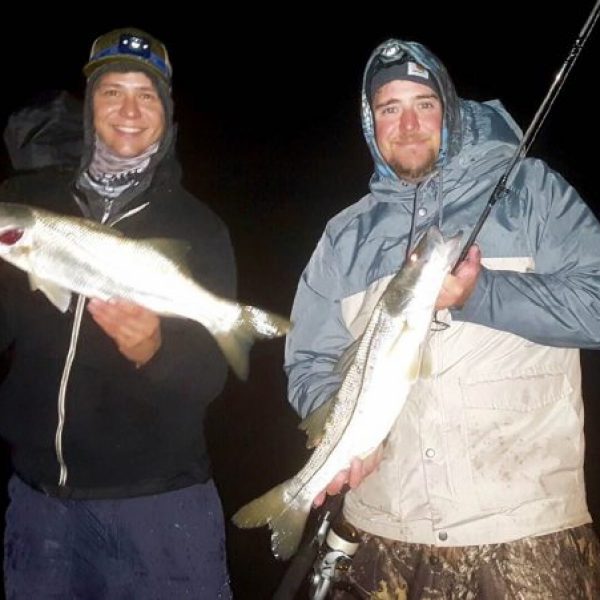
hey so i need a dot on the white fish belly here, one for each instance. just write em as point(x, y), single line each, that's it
point(106, 266)
point(377, 409)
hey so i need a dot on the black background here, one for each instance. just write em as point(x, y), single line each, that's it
point(269, 135)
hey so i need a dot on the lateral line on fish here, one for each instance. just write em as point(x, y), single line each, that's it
point(370, 349)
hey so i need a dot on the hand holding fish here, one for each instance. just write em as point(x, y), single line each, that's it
point(135, 330)
point(359, 469)
point(458, 287)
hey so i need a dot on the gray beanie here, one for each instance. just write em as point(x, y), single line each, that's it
point(406, 70)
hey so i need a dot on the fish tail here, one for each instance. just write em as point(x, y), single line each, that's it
point(286, 521)
point(253, 324)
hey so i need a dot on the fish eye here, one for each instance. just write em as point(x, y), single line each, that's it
point(11, 236)
point(414, 257)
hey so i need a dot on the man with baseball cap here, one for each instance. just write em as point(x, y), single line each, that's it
point(479, 489)
point(103, 407)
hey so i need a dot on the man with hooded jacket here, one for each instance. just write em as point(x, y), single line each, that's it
point(478, 490)
point(103, 406)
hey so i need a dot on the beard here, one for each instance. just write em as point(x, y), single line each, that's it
point(415, 172)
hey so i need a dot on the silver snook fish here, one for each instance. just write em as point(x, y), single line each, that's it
point(388, 359)
point(68, 254)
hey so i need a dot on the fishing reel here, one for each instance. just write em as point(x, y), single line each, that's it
point(338, 543)
point(324, 561)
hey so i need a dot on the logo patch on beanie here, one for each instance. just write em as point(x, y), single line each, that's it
point(416, 70)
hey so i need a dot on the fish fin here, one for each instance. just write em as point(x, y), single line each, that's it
point(235, 347)
point(176, 250)
point(421, 365)
point(253, 323)
point(414, 368)
point(59, 296)
point(314, 424)
point(285, 521)
point(287, 530)
point(426, 363)
point(96, 227)
point(347, 357)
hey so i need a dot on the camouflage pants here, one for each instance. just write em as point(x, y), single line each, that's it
point(560, 566)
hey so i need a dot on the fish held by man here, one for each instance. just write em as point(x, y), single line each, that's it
point(64, 254)
point(388, 359)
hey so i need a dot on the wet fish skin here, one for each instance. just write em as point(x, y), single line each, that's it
point(64, 254)
point(388, 360)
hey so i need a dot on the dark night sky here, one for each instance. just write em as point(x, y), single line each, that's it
point(270, 137)
point(268, 115)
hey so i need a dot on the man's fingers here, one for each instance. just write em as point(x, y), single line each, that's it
point(474, 253)
point(372, 462)
point(356, 473)
point(319, 499)
point(471, 262)
point(353, 476)
point(335, 487)
point(123, 319)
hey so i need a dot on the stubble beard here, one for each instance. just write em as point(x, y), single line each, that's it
point(417, 173)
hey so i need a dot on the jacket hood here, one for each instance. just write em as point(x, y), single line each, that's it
point(469, 128)
point(46, 133)
point(89, 135)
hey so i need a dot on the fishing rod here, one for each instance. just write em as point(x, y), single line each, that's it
point(501, 190)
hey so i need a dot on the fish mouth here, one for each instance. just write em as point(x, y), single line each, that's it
point(448, 247)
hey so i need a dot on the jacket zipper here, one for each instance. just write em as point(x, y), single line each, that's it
point(64, 381)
